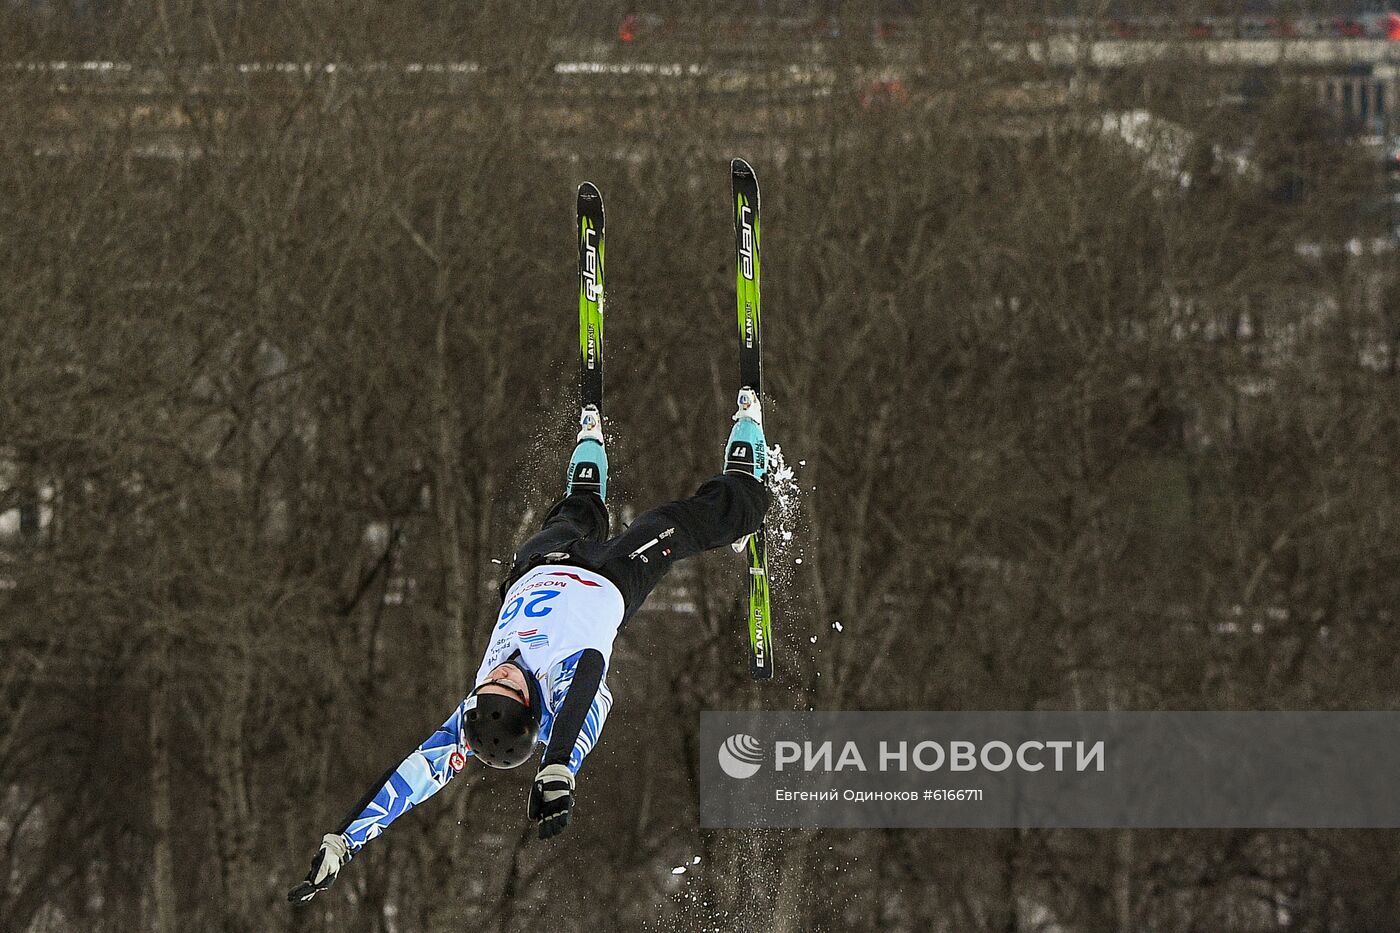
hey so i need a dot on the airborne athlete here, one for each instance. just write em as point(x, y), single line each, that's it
point(569, 591)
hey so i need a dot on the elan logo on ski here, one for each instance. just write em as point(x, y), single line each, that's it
point(745, 240)
point(591, 286)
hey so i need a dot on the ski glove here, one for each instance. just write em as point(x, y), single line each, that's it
point(324, 867)
point(552, 799)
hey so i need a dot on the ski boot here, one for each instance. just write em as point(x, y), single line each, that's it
point(747, 451)
point(588, 468)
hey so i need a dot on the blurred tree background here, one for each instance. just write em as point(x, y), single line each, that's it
point(1092, 374)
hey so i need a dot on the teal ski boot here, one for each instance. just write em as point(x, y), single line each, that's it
point(588, 467)
point(747, 451)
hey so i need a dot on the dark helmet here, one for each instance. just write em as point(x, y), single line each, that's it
point(501, 731)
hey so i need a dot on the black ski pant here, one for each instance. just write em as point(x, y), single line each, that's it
point(721, 511)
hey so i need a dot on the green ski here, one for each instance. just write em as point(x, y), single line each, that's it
point(590, 295)
point(744, 186)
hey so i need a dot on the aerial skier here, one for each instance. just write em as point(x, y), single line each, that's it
point(570, 588)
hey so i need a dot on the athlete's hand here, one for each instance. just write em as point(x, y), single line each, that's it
point(552, 799)
point(324, 867)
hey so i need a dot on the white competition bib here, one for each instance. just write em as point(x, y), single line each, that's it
point(551, 612)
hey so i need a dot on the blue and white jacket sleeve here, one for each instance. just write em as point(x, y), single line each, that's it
point(580, 700)
point(423, 773)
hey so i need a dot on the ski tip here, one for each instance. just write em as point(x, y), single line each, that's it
point(740, 167)
point(589, 193)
